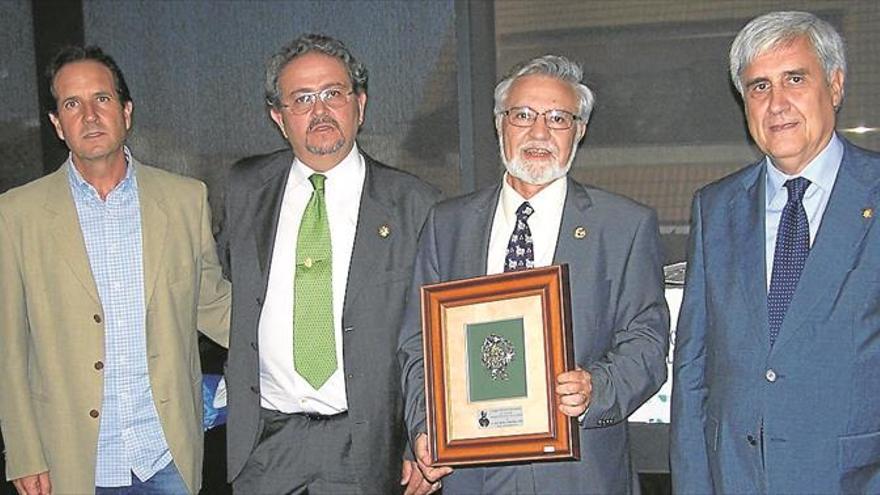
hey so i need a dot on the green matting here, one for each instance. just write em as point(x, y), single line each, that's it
point(481, 386)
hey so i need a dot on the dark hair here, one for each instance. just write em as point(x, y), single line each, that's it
point(320, 43)
point(94, 53)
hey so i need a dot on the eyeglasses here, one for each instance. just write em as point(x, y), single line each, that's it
point(555, 119)
point(332, 97)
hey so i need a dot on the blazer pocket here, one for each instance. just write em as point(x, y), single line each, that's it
point(857, 451)
point(859, 461)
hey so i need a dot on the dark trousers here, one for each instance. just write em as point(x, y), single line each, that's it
point(300, 454)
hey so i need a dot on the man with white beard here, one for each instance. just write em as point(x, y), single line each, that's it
point(537, 216)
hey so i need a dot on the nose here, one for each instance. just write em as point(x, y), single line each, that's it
point(89, 113)
point(319, 106)
point(778, 100)
point(539, 129)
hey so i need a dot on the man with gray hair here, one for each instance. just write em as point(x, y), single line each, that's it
point(319, 242)
point(612, 247)
point(777, 361)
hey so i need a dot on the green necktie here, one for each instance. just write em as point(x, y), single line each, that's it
point(314, 346)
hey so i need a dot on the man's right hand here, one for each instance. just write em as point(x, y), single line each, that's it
point(423, 460)
point(35, 484)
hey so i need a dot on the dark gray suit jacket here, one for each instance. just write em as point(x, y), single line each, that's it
point(621, 321)
point(378, 282)
point(802, 416)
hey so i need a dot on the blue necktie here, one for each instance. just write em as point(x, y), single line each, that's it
point(792, 248)
point(520, 253)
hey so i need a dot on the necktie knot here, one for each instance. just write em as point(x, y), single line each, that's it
point(317, 181)
point(524, 211)
point(796, 188)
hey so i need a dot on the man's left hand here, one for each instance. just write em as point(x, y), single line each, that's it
point(416, 484)
point(575, 389)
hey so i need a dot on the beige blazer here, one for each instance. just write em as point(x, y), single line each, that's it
point(52, 325)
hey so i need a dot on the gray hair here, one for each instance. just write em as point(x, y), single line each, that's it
point(554, 66)
point(776, 28)
point(357, 72)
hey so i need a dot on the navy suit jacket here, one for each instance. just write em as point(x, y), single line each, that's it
point(620, 321)
point(802, 416)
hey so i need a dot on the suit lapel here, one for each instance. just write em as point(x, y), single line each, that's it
point(69, 243)
point(477, 227)
point(371, 250)
point(747, 244)
point(266, 199)
point(154, 226)
point(840, 237)
point(569, 246)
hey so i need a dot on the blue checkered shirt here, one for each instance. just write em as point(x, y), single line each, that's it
point(130, 438)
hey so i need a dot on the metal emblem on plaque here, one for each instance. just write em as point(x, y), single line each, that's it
point(497, 354)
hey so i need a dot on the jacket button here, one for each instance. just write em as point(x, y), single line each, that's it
point(255, 390)
point(752, 440)
point(770, 375)
point(99, 365)
point(97, 318)
point(347, 329)
point(94, 413)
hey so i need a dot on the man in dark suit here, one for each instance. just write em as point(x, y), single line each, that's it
point(777, 362)
point(537, 216)
point(319, 244)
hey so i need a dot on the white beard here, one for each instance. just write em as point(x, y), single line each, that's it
point(537, 174)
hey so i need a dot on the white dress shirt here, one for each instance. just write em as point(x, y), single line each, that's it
point(822, 173)
point(544, 223)
point(281, 387)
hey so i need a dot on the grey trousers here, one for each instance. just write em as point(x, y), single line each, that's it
point(299, 455)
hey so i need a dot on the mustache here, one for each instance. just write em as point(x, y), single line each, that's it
point(322, 119)
point(547, 145)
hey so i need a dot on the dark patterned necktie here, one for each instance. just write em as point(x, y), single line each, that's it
point(520, 252)
point(792, 248)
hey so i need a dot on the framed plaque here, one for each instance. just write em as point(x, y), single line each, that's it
point(493, 348)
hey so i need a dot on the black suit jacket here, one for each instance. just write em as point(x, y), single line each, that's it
point(378, 282)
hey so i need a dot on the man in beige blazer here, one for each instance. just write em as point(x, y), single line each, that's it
point(99, 394)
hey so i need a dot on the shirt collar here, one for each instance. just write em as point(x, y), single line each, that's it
point(550, 198)
point(83, 189)
point(343, 176)
point(822, 171)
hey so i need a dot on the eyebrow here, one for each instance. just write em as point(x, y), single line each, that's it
point(318, 90)
point(788, 73)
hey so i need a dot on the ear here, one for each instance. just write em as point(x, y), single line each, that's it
point(127, 109)
point(362, 106)
point(57, 124)
point(581, 131)
point(836, 85)
point(278, 118)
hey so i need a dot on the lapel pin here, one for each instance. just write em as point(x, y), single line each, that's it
point(384, 231)
point(580, 232)
point(867, 212)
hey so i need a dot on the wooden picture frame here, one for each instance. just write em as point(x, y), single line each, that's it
point(493, 348)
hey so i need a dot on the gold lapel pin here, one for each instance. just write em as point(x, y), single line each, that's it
point(580, 232)
point(384, 230)
point(867, 212)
